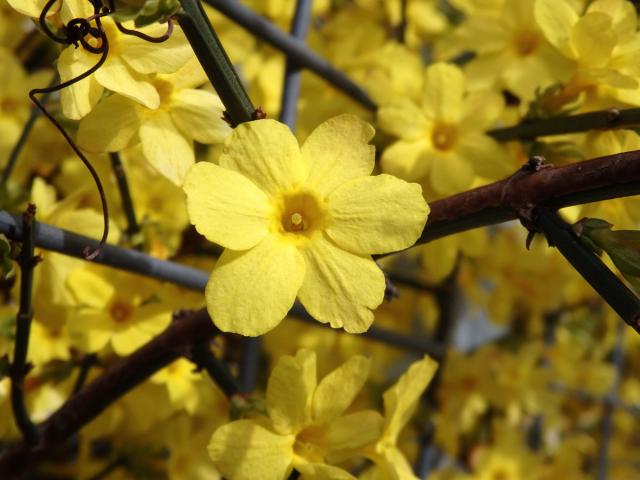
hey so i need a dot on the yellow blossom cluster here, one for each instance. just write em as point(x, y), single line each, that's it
point(480, 355)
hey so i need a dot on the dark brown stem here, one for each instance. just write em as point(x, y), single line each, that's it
point(115, 382)
point(593, 180)
point(204, 358)
point(133, 227)
point(19, 367)
point(613, 291)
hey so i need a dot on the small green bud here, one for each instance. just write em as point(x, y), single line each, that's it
point(246, 406)
point(145, 12)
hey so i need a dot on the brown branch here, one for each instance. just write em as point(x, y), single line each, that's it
point(593, 180)
point(93, 399)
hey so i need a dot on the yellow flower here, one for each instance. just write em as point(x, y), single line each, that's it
point(129, 61)
point(181, 382)
point(68, 214)
point(602, 43)
point(14, 102)
point(424, 18)
point(511, 51)
point(442, 139)
point(186, 440)
point(300, 221)
point(167, 130)
point(50, 342)
point(305, 428)
point(507, 458)
point(400, 402)
point(116, 308)
point(623, 212)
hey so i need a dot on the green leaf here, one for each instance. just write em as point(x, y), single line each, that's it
point(145, 12)
point(157, 11)
point(552, 101)
point(622, 246)
point(246, 406)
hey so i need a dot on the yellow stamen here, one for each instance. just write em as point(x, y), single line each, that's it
point(296, 221)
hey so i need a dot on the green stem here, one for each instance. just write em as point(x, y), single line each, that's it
point(203, 357)
point(590, 266)
point(216, 63)
point(19, 366)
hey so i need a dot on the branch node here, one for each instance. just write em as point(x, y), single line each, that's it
point(259, 114)
point(613, 115)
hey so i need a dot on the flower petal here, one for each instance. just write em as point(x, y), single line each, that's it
point(125, 342)
point(30, 8)
point(198, 114)
point(243, 450)
point(336, 151)
point(401, 400)
point(393, 464)
point(116, 76)
point(266, 152)
point(407, 159)
point(339, 388)
point(322, 471)
point(290, 390)
point(556, 19)
point(90, 288)
point(149, 58)
point(623, 15)
point(402, 118)
point(340, 287)
point(251, 292)
point(90, 330)
point(78, 99)
point(225, 206)
point(481, 111)
point(116, 112)
point(450, 173)
point(352, 432)
point(165, 148)
point(442, 92)
point(487, 157)
point(593, 39)
point(376, 214)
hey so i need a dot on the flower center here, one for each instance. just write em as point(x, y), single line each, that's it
point(8, 105)
point(444, 136)
point(296, 222)
point(500, 475)
point(310, 444)
point(526, 42)
point(165, 89)
point(120, 311)
point(299, 215)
